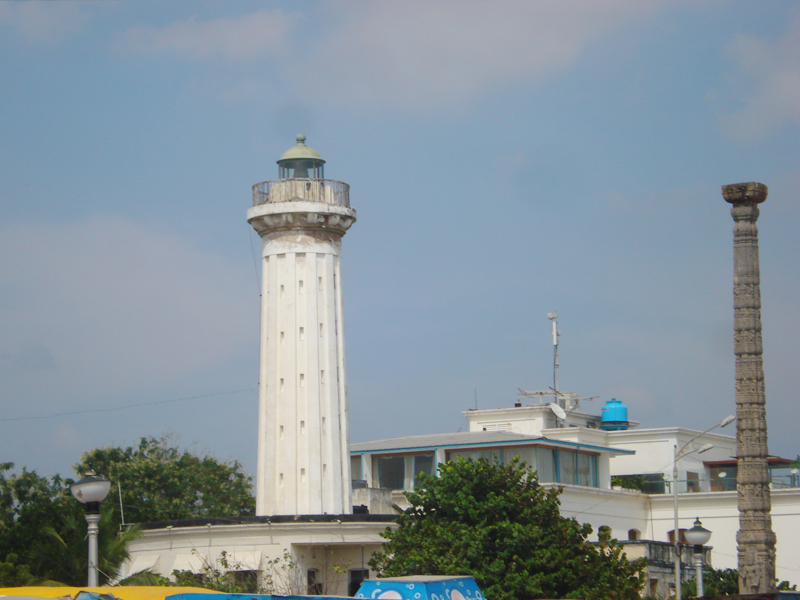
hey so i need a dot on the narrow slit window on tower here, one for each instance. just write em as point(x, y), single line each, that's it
point(281, 291)
point(302, 427)
point(324, 470)
point(302, 334)
point(280, 479)
point(322, 376)
point(323, 425)
point(302, 380)
point(302, 475)
point(281, 337)
point(320, 284)
point(321, 330)
point(282, 387)
point(301, 286)
point(281, 432)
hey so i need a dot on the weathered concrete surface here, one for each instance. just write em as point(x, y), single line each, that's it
point(303, 442)
point(755, 539)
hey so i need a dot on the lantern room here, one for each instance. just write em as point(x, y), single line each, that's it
point(301, 162)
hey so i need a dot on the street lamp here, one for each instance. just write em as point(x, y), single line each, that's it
point(91, 491)
point(679, 454)
point(698, 536)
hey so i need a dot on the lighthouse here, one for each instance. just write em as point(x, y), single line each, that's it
point(303, 444)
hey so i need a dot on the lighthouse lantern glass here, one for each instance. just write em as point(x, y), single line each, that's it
point(302, 169)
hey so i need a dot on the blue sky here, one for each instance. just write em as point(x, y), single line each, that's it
point(506, 159)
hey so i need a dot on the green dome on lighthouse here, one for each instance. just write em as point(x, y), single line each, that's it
point(300, 162)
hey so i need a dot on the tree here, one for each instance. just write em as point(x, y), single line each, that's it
point(722, 582)
point(158, 482)
point(496, 523)
point(14, 575)
point(43, 528)
point(30, 506)
point(43, 531)
point(716, 582)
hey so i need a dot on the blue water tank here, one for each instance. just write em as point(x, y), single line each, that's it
point(615, 416)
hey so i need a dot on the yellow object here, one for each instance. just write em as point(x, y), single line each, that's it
point(123, 592)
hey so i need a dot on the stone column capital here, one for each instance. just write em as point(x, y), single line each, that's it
point(751, 192)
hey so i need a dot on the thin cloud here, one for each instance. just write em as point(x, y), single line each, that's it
point(420, 54)
point(42, 22)
point(257, 35)
point(433, 54)
point(771, 70)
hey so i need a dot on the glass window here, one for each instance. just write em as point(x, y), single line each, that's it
point(587, 469)
point(423, 463)
point(246, 579)
point(567, 467)
point(723, 479)
point(491, 454)
point(546, 465)
point(355, 467)
point(784, 476)
point(357, 577)
point(526, 455)
point(314, 586)
point(391, 472)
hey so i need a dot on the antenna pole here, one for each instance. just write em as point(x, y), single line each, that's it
point(554, 318)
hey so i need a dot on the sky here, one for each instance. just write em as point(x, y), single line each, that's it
point(506, 160)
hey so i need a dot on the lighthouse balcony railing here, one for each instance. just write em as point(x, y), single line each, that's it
point(326, 191)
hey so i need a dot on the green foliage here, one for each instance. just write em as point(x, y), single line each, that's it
point(219, 576)
point(43, 528)
point(161, 483)
point(145, 578)
point(722, 582)
point(716, 582)
point(499, 525)
point(14, 575)
point(31, 507)
point(70, 554)
point(629, 482)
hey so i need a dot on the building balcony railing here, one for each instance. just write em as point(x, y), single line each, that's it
point(658, 483)
point(326, 191)
point(662, 554)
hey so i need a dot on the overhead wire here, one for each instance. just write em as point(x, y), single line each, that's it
point(124, 406)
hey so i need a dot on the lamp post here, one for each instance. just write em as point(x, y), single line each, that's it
point(698, 536)
point(91, 491)
point(679, 454)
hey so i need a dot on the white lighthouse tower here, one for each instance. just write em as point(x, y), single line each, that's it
point(303, 443)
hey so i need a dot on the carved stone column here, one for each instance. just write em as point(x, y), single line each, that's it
point(755, 539)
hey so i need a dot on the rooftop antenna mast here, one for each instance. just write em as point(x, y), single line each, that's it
point(553, 316)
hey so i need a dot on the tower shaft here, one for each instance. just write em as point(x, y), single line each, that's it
point(303, 442)
point(755, 538)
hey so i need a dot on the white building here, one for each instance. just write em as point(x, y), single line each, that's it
point(577, 454)
point(326, 512)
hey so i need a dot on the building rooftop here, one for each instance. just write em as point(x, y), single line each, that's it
point(469, 439)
